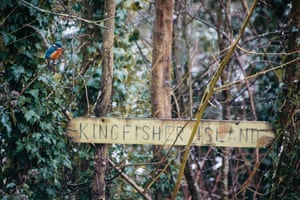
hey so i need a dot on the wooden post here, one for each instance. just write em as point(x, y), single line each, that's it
point(103, 105)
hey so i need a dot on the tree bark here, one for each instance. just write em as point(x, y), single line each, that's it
point(286, 173)
point(103, 105)
point(161, 72)
point(161, 59)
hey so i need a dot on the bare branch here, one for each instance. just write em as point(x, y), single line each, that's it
point(36, 76)
point(227, 86)
point(248, 87)
point(206, 96)
point(265, 53)
point(97, 22)
point(129, 180)
point(39, 32)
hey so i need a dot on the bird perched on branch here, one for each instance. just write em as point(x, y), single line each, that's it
point(53, 53)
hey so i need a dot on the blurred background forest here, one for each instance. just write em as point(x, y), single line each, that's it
point(261, 82)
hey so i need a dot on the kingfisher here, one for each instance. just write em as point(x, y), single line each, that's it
point(53, 52)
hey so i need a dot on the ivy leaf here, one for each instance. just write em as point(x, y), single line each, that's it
point(6, 123)
point(36, 136)
point(294, 29)
point(31, 116)
point(34, 93)
point(76, 7)
point(20, 146)
point(17, 71)
point(8, 38)
point(27, 53)
point(134, 36)
point(298, 41)
point(4, 4)
point(45, 126)
point(10, 185)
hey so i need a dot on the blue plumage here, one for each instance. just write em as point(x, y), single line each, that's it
point(52, 49)
point(52, 54)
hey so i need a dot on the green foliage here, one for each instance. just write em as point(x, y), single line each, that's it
point(35, 152)
point(134, 36)
point(37, 159)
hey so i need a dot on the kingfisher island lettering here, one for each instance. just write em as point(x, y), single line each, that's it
point(168, 132)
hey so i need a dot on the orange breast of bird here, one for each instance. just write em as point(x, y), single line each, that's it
point(55, 55)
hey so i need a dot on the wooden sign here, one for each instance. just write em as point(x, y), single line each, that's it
point(248, 134)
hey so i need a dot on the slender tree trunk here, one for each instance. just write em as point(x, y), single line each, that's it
point(182, 63)
point(178, 62)
point(182, 59)
point(161, 73)
point(103, 105)
point(224, 27)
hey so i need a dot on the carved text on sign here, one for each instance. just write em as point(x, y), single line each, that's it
point(169, 132)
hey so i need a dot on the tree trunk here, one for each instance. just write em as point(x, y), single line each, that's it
point(161, 59)
point(161, 73)
point(286, 174)
point(103, 105)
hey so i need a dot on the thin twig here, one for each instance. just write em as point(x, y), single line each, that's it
point(248, 87)
point(256, 167)
point(157, 176)
point(30, 83)
point(227, 86)
point(265, 53)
